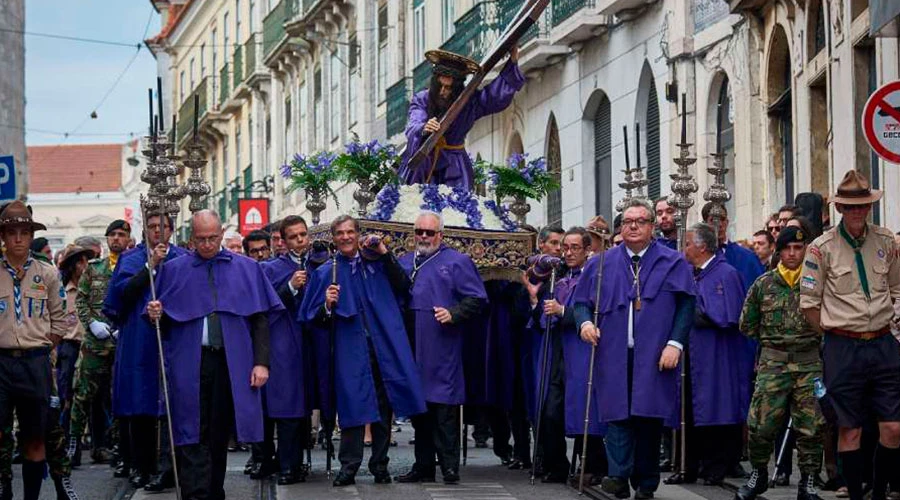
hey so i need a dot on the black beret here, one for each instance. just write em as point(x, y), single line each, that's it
point(118, 224)
point(788, 235)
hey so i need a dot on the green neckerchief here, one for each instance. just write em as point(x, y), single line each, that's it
point(856, 245)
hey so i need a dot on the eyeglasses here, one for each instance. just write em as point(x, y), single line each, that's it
point(209, 240)
point(633, 222)
point(259, 251)
point(426, 232)
point(572, 248)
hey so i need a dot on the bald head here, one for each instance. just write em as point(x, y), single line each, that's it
point(206, 233)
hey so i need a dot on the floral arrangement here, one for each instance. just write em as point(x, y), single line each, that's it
point(312, 174)
point(522, 178)
point(458, 206)
point(368, 162)
point(502, 213)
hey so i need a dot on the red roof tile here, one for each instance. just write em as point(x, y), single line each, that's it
point(75, 168)
point(176, 12)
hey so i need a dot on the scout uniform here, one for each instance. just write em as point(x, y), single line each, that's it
point(788, 365)
point(853, 282)
point(31, 313)
point(68, 349)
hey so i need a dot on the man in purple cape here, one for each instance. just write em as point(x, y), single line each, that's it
point(214, 307)
point(566, 380)
point(447, 292)
point(287, 396)
point(449, 163)
point(373, 369)
point(646, 309)
point(718, 393)
point(136, 401)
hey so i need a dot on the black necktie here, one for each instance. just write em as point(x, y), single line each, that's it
point(213, 322)
point(635, 261)
point(697, 271)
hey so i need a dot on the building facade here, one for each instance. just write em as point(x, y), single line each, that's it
point(12, 87)
point(765, 82)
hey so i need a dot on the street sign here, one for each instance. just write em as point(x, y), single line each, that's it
point(253, 214)
point(881, 122)
point(7, 178)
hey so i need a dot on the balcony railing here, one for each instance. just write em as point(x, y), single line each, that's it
point(185, 124)
point(475, 31)
point(397, 107)
point(224, 84)
point(238, 67)
point(421, 76)
point(563, 9)
point(273, 26)
point(250, 49)
point(506, 9)
point(248, 179)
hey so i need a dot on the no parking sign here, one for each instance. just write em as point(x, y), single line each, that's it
point(881, 122)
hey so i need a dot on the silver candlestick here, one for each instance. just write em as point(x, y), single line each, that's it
point(683, 184)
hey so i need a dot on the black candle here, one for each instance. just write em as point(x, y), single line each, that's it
point(160, 100)
point(150, 96)
point(625, 136)
point(720, 118)
point(196, 114)
point(637, 145)
point(684, 118)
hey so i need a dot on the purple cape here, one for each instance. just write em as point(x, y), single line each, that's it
point(745, 261)
point(499, 362)
point(720, 380)
point(454, 167)
point(366, 304)
point(184, 291)
point(442, 281)
point(664, 274)
point(288, 392)
point(136, 368)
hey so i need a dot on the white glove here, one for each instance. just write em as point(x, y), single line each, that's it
point(100, 330)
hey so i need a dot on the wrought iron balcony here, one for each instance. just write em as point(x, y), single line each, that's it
point(397, 107)
point(250, 55)
point(563, 9)
point(185, 125)
point(475, 31)
point(273, 26)
point(421, 76)
point(237, 66)
point(224, 84)
point(507, 9)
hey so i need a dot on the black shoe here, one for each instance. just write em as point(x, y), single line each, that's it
point(6, 489)
point(261, 470)
point(781, 479)
point(756, 485)
point(806, 490)
point(100, 456)
point(291, 477)
point(451, 476)
point(517, 464)
point(556, 477)
point(643, 495)
point(737, 472)
point(679, 478)
point(17, 457)
point(616, 486)
point(122, 470)
point(416, 476)
point(161, 482)
point(382, 477)
point(139, 480)
point(64, 489)
point(665, 465)
point(343, 479)
point(249, 465)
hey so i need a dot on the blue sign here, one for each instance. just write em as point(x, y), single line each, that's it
point(7, 178)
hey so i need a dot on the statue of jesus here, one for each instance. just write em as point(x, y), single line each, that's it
point(449, 163)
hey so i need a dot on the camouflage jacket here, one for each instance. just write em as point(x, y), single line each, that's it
point(771, 315)
point(89, 302)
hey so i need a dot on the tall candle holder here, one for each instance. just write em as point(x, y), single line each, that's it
point(628, 184)
point(717, 193)
point(683, 184)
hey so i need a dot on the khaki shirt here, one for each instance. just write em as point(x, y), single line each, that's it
point(41, 307)
point(830, 280)
point(75, 330)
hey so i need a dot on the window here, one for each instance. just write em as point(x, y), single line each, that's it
point(237, 20)
point(180, 88)
point(250, 135)
point(237, 147)
point(226, 39)
point(353, 82)
point(288, 146)
point(725, 138)
point(215, 59)
point(301, 121)
point(225, 158)
point(250, 15)
point(381, 83)
point(554, 166)
point(191, 70)
point(214, 172)
point(318, 112)
point(603, 159)
point(419, 32)
point(653, 153)
point(203, 61)
point(334, 97)
point(447, 18)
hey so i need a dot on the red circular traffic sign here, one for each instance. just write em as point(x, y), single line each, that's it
point(881, 122)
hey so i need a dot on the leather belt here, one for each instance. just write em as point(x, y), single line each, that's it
point(25, 353)
point(771, 354)
point(861, 335)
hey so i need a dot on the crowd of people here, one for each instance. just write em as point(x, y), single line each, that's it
point(272, 339)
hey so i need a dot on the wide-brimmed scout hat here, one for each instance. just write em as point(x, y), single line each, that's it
point(854, 189)
point(18, 213)
point(598, 227)
point(450, 64)
point(72, 252)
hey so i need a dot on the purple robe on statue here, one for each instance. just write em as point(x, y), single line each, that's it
point(453, 166)
point(366, 311)
point(288, 392)
point(442, 280)
point(663, 275)
point(720, 380)
point(241, 291)
point(136, 369)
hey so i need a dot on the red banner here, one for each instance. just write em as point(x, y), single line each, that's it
point(253, 214)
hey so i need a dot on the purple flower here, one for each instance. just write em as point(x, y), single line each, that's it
point(503, 214)
point(462, 200)
point(432, 199)
point(299, 158)
point(286, 171)
point(355, 148)
point(386, 202)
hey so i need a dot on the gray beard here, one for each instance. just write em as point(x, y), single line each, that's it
point(425, 250)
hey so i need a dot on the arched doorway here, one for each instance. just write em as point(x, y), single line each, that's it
point(554, 166)
point(602, 131)
point(780, 111)
point(648, 115)
point(723, 119)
